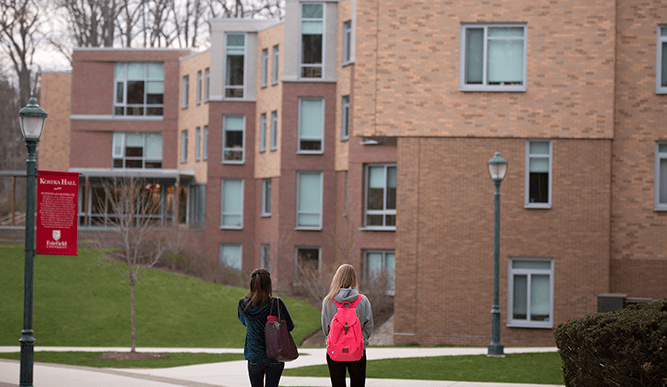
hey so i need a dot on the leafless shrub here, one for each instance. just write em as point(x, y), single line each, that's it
point(378, 288)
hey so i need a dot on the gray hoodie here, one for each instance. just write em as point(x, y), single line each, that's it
point(363, 309)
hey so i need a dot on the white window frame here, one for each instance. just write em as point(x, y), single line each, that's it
point(385, 211)
point(119, 147)
point(266, 197)
point(262, 133)
point(245, 68)
point(122, 67)
point(265, 67)
point(184, 96)
point(384, 253)
point(205, 144)
point(207, 83)
point(298, 211)
point(184, 146)
point(274, 130)
point(345, 118)
point(224, 141)
point(657, 205)
point(527, 203)
point(463, 55)
point(300, 137)
point(224, 264)
point(324, 39)
point(662, 40)
point(347, 42)
point(198, 143)
point(275, 65)
point(527, 323)
point(296, 259)
point(223, 212)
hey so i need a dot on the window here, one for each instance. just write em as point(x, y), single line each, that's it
point(197, 205)
point(538, 174)
point(233, 133)
point(184, 146)
point(309, 200)
point(661, 176)
point(311, 125)
point(307, 263)
point(207, 84)
point(265, 256)
point(139, 89)
point(530, 293)
point(274, 66)
point(198, 144)
point(661, 76)
point(199, 80)
point(184, 99)
point(312, 31)
point(274, 130)
point(493, 57)
point(235, 65)
point(381, 197)
point(347, 42)
point(345, 118)
point(265, 67)
point(262, 132)
point(380, 268)
point(137, 150)
point(231, 209)
point(266, 197)
point(231, 255)
point(205, 144)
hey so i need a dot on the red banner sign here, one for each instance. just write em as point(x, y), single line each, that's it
point(57, 212)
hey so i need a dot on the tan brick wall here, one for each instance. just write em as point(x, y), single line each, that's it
point(195, 115)
point(444, 237)
point(269, 98)
point(639, 258)
point(56, 89)
point(407, 70)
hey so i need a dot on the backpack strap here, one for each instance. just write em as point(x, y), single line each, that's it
point(352, 304)
point(278, 307)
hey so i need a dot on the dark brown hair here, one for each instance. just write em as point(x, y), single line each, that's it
point(260, 288)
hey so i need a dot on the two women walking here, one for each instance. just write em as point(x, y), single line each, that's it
point(256, 306)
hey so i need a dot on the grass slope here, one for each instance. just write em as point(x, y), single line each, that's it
point(79, 303)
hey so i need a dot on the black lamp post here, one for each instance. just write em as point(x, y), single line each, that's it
point(497, 170)
point(32, 119)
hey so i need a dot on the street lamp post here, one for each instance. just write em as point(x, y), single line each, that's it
point(497, 170)
point(31, 118)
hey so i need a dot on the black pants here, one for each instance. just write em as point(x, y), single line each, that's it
point(357, 369)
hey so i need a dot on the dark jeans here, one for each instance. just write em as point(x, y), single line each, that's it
point(357, 371)
point(269, 367)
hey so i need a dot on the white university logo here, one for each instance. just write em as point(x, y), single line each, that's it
point(56, 235)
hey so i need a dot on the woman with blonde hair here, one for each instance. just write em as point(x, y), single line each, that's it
point(344, 289)
point(253, 311)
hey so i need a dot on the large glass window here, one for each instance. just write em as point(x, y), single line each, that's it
point(661, 76)
point(307, 265)
point(266, 197)
point(309, 200)
point(233, 135)
point(530, 293)
point(311, 125)
point(538, 174)
point(207, 84)
point(345, 118)
point(661, 176)
point(231, 255)
point(185, 90)
point(139, 89)
point(493, 57)
point(347, 42)
point(199, 86)
point(184, 146)
point(262, 132)
point(274, 66)
point(197, 205)
point(312, 32)
point(380, 268)
point(205, 144)
point(265, 67)
point(235, 65)
point(274, 130)
point(231, 209)
point(137, 150)
point(381, 196)
point(198, 144)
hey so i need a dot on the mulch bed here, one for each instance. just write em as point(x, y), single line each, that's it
point(130, 356)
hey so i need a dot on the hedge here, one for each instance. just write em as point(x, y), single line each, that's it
point(624, 348)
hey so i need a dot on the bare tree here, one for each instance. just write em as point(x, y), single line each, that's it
point(137, 242)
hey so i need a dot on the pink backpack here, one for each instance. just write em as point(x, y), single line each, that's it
point(345, 341)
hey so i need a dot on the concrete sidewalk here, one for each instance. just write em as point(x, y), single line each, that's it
point(227, 374)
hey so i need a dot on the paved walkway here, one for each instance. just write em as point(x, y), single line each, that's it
point(227, 374)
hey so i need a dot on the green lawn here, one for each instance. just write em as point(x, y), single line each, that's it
point(79, 303)
point(536, 368)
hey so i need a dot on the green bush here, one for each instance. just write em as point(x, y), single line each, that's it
point(624, 348)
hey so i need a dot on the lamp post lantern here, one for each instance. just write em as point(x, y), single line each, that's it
point(31, 118)
point(497, 170)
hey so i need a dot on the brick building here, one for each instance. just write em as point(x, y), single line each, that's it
point(360, 131)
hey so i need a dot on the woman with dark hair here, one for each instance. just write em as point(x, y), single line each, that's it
point(253, 311)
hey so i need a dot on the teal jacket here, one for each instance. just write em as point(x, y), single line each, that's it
point(254, 319)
